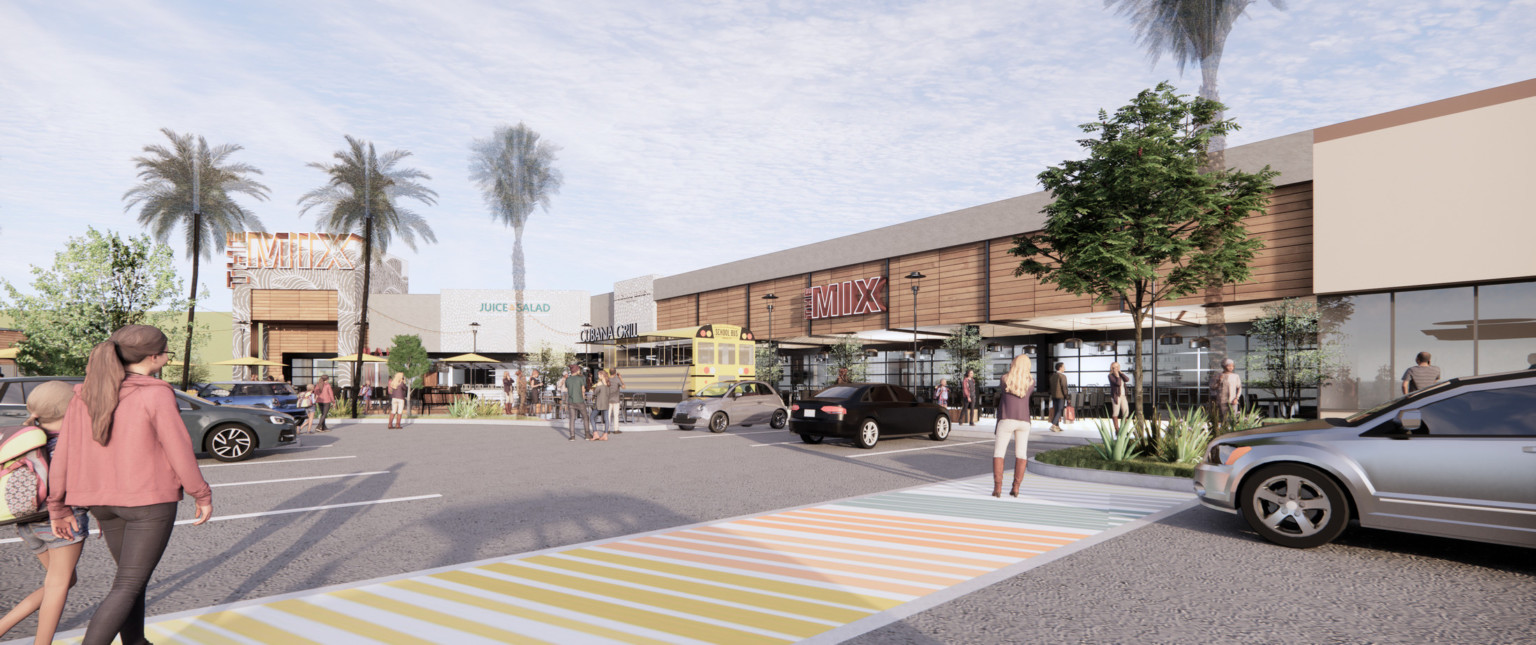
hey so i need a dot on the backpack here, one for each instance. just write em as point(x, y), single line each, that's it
point(23, 475)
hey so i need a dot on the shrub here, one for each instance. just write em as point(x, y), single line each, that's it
point(463, 408)
point(488, 408)
point(1119, 442)
point(1185, 438)
point(1088, 457)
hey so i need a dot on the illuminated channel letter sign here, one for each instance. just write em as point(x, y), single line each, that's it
point(315, 251)
point(850, 298)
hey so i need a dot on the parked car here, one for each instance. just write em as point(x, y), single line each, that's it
point(728, 403)
point(272, 395)
point(1455, 460)
point(225, 432)
point(866, 413)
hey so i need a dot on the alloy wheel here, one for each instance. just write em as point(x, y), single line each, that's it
point(231, 443)
point(940, 428)
point(1292, 505)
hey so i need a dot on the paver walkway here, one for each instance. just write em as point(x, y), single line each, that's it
point(777, 577)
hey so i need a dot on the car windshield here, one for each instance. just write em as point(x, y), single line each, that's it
point(282, 389)
point(836, 392)
point(716, 390)
point(1360, 417)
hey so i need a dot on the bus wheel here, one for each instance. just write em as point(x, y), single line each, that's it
point(719, 423)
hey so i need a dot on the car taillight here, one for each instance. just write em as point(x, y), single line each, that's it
point(794, 408)
point(834, 409)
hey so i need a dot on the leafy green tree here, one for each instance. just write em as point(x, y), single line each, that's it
point(964, 346)
point(362, 195)
point(848, 354)
point(552, 361)
point(1290, 354)
point(97, 284)
point(770, 366)
point(1194, 31)
point(516, 173)
point(407, 356)
point(192, 187)
point(1138, 221)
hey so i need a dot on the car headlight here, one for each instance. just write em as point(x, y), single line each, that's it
point(1226, 453)
point(278, 419)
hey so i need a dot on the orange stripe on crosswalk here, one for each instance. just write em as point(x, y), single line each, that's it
point(883, 536)
point(885, 550)
point(947, 524)
point(959, 540)
point(817, 561)
point(819, 594)
point(763, 567)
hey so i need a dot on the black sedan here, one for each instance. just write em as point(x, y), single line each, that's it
point(866, 413)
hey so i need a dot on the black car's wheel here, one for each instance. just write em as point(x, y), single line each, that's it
point(719, 422)
point(869, 434)
point(1294, 505)
point(231, 443)
point(940, 428)
point(780, 419)
point(685, 427)
point(810, 438)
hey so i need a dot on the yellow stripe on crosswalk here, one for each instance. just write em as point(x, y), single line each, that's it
point(776, 603)
point(874, 603)
point(253, 629)
point(416, 586)
point(346, 623)
point(623, 613)
point(433, 616)
point(737, 615)
point(185, 630)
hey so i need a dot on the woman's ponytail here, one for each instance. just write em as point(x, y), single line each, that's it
point(104, 375)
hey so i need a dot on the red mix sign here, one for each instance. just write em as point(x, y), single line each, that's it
point(849, 298)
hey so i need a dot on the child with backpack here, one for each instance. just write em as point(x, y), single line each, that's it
point(46, 404)
point(307, 404)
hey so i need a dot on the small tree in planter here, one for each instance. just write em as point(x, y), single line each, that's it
point(964, 346)
point(770, 366)
point(848, 354)
point(407, 356)
point(1291, 356)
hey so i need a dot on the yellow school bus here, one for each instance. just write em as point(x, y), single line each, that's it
point(669, 365)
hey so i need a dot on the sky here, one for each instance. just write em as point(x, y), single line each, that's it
point(692, 133)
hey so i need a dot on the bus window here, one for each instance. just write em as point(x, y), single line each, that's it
point(682, 353)
point(706, 353)
point(748, 354)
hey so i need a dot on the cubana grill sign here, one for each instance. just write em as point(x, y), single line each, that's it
point(850, 298)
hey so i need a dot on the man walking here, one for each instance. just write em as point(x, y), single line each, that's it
point(324, 398)
point(1421, 375)
point(1058, 396)
point(968, 393)
point(576, 398)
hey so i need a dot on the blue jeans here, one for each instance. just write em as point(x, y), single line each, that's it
point(1058, 407)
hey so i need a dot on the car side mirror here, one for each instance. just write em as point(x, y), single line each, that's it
point(1410, 421)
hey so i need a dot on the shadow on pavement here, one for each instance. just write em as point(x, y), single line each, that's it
point(527, 521)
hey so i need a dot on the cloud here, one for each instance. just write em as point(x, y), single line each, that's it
point(692, 133)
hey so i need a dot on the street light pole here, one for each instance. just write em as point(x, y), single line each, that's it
point(474, 342)
point(914, 277)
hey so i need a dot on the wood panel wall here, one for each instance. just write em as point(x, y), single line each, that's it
point(296, 338)
point(673, 313)
point(951, 293)
point(293, 305)
point(842, 324)
point(724, 306)
point(788, 311)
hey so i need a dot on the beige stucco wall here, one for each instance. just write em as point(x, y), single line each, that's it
point(1443, 200)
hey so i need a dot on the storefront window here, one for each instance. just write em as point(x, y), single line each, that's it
point(1506, 327)
point(1438, 321)
point(1361, 326)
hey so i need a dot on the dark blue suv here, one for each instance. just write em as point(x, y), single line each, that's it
point(273, 395)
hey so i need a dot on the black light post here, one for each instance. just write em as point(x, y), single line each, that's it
point(914, 277)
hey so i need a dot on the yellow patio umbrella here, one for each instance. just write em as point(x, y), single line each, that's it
point(9, 352)
point(367, 358)
point(469, 358)
point(249, 361)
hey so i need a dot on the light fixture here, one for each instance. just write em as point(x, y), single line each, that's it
point(1170, 339)
point(1200, 342)
point(1029, 349)
point(1074, 342)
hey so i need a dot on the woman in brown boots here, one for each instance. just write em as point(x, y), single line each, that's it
point(398, 393)
point(1013, 420)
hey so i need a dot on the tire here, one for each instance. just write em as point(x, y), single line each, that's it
point(685, 427)
point(1294, 505)
point(780, 419)
point(231, 443)
point(811, 438)
point(940, 428)
point(869, 434)
point(719, 422)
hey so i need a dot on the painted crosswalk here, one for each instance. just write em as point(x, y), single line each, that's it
point(779, 577)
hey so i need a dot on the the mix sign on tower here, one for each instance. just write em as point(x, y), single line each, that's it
point(848, 298)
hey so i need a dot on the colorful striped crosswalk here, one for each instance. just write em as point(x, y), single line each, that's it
point(777, 577)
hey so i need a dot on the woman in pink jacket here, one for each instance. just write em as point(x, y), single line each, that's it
point(124, 453)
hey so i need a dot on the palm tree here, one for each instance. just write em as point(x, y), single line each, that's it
point(192, 186)
point(516, 172)
point(363, 195)
point(1193, 31)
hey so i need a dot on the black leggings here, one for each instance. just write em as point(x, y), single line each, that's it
point(136, 536)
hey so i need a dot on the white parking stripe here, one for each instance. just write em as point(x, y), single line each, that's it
point(733, 434)
point(300, 479)
point(242, 516)
point(329, 445)
point(274, 461)
point(888, 452)
point(776, 443)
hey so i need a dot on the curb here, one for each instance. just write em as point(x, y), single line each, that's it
point(1176, 484)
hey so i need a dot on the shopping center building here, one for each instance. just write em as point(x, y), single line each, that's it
point(1415, 227)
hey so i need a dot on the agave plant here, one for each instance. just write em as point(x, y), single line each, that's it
point(1118, 440)
point(463, 408)
point(1186, 436)
point(1242, 419)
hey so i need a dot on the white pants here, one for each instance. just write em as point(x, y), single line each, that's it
point(397, 406)
point(1119, 407)
point(1019, 431)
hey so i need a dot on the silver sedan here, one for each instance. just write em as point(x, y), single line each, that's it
point(1455, 460)
point(728, 403)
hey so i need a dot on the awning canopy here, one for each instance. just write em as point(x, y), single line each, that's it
point(9, 352)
